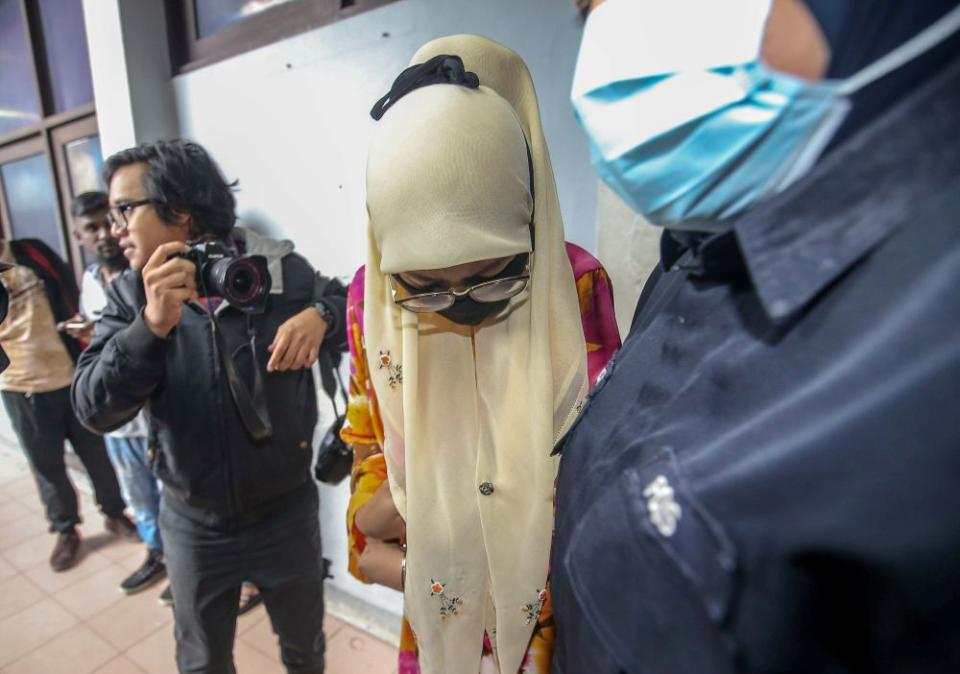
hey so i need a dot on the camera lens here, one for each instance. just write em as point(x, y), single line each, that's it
point(239, 281)
point(242, 282)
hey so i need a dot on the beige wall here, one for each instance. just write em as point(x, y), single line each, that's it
point(629, 248)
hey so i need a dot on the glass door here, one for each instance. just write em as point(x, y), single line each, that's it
point(79, 164)
point(28, 195)
point(49, 147)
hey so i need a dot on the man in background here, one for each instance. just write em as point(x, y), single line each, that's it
point(36, 394)
point(127, 446)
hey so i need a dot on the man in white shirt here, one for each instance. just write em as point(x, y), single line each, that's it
point(127, 446)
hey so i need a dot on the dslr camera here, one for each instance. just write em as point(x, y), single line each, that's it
point(242, 280)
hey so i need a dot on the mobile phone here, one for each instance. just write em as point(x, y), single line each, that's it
point(75, 325)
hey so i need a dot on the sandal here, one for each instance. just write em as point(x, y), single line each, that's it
point(250, 598)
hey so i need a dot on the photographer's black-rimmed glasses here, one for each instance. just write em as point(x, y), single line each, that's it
point(117, 215)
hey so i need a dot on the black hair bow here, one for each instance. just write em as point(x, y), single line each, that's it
point(442, 69)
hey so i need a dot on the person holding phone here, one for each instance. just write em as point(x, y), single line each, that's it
point(36, 394)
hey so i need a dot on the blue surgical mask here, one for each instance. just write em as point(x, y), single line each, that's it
point(684, 121)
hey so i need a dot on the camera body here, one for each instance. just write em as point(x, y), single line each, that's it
point(242, 280)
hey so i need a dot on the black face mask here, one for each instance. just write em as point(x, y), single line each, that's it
point(467, 311)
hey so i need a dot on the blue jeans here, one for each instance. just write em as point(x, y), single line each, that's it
point(139, 485)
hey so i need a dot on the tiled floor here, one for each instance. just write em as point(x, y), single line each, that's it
point(78, 622)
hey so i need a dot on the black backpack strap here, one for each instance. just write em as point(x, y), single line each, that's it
point(330, 380)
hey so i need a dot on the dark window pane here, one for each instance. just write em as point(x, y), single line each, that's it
point(31, 200)
point(85, 168)
point(85, 165)
point(65, 42)
point(19, 104)
point(215, 15)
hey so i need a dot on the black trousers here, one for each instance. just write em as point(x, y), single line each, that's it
point(42, 421)
point(207, 560)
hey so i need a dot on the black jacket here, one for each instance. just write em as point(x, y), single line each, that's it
point(767, 478)
point(199, 447)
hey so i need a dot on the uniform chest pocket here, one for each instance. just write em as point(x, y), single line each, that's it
point(654, 574)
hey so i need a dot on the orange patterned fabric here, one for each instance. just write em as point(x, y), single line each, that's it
point(364, 431)
point(367, 476)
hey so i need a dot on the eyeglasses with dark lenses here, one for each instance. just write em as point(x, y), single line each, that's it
point(117, 215)
point(494, 290)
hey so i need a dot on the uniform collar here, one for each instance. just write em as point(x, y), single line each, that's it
point(797, 244)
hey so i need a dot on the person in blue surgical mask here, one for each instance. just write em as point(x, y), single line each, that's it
point(765, 479)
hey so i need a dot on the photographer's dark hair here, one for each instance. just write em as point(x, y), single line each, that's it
point(182, 178)
point(87, 203)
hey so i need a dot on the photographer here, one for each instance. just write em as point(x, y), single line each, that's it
point(216, 380)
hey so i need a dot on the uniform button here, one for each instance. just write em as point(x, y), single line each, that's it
point(486, 488)
point(304, 444)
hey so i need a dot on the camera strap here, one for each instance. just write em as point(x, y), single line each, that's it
point(330, 380)
point(253, 409)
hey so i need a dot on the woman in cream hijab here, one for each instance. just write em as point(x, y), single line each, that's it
point(470, 331)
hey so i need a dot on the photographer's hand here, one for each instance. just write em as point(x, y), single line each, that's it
point(297, 342)
point(168, 283)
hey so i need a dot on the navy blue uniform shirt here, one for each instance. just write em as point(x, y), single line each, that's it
point(768, 477)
